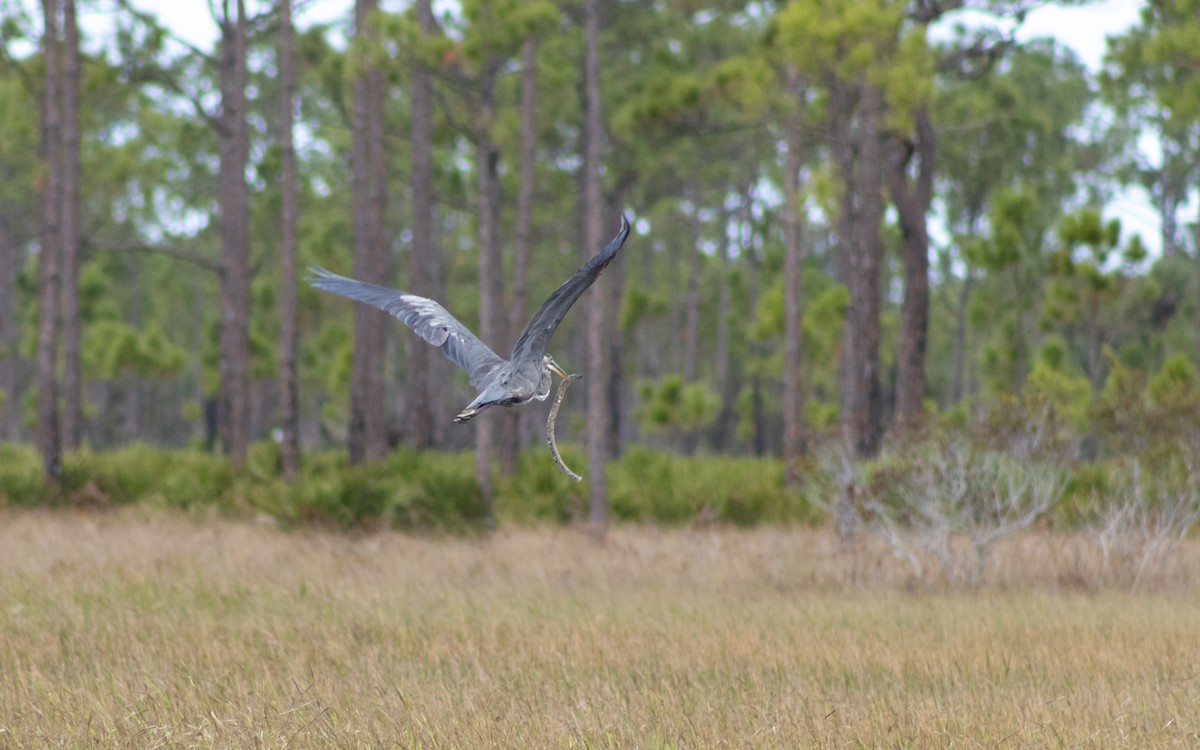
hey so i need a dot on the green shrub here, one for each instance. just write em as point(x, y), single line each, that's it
point(443, 491)
point(141, 473)
point(539, 492)
point(409, 489)
point(646, 485)
point(21, 475)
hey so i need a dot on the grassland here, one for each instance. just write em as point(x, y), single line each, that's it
point(129, 629)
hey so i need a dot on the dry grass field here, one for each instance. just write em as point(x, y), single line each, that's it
point(134, 630)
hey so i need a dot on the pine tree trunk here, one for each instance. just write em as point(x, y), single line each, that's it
point(868, 416)
point(841, 116)
point(912, 206)
point(749, 257)
point(722, 429)
point(1167, 195)
point(597, 391)
point(496, 327)
point(383, 267)
point(10, 402)
point(131, 385)
point(49, 436)
point(493, 321)
point(1197, 251)
point(793, 281)
point(289, 386)
point(234, 355)
point(72, 396)
point(691, 297)
point(860, 265)
point(367, 439)
point(523, 246)
point(423, 386)
point(618, 402)
point(959, 360)
point(747, 252)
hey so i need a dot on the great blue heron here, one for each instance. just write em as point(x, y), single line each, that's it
point(525, 375)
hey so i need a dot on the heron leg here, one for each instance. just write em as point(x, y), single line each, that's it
point(472, 411)
point(465, 415)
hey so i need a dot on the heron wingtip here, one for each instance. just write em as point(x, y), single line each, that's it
point(317, 274)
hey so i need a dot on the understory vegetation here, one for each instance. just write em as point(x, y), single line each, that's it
point(412, 490)
point(940, 502)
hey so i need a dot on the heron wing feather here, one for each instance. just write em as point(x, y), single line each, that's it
point(426, 318)
point(535, 338)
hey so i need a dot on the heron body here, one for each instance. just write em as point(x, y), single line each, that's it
point(526, 374)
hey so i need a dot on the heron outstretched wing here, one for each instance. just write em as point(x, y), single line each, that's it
point(536, 336)
point(426, 318)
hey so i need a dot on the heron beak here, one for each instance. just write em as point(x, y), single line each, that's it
point(553, 367)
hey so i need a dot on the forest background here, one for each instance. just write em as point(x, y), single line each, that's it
point(875, 272)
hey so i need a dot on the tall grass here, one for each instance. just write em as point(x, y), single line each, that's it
point(139, 629)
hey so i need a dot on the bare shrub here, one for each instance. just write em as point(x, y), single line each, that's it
point(953, 504)
point(1138, 527)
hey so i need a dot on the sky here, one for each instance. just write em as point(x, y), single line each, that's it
point(1082, 28)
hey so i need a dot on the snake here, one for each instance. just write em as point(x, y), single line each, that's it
point(558, 399)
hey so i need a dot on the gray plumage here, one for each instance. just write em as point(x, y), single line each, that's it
point(526, 374)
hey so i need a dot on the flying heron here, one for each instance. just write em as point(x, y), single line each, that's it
point(525, 375)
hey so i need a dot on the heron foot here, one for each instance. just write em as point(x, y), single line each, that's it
point(465, 415)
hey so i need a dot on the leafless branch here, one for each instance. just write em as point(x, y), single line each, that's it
point(1138, 528)
point(956, 504)
point(187, 256)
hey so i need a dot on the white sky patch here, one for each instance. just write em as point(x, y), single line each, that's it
point(1085, 29)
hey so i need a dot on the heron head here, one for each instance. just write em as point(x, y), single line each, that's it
point(549, 369)
point(553, 366)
